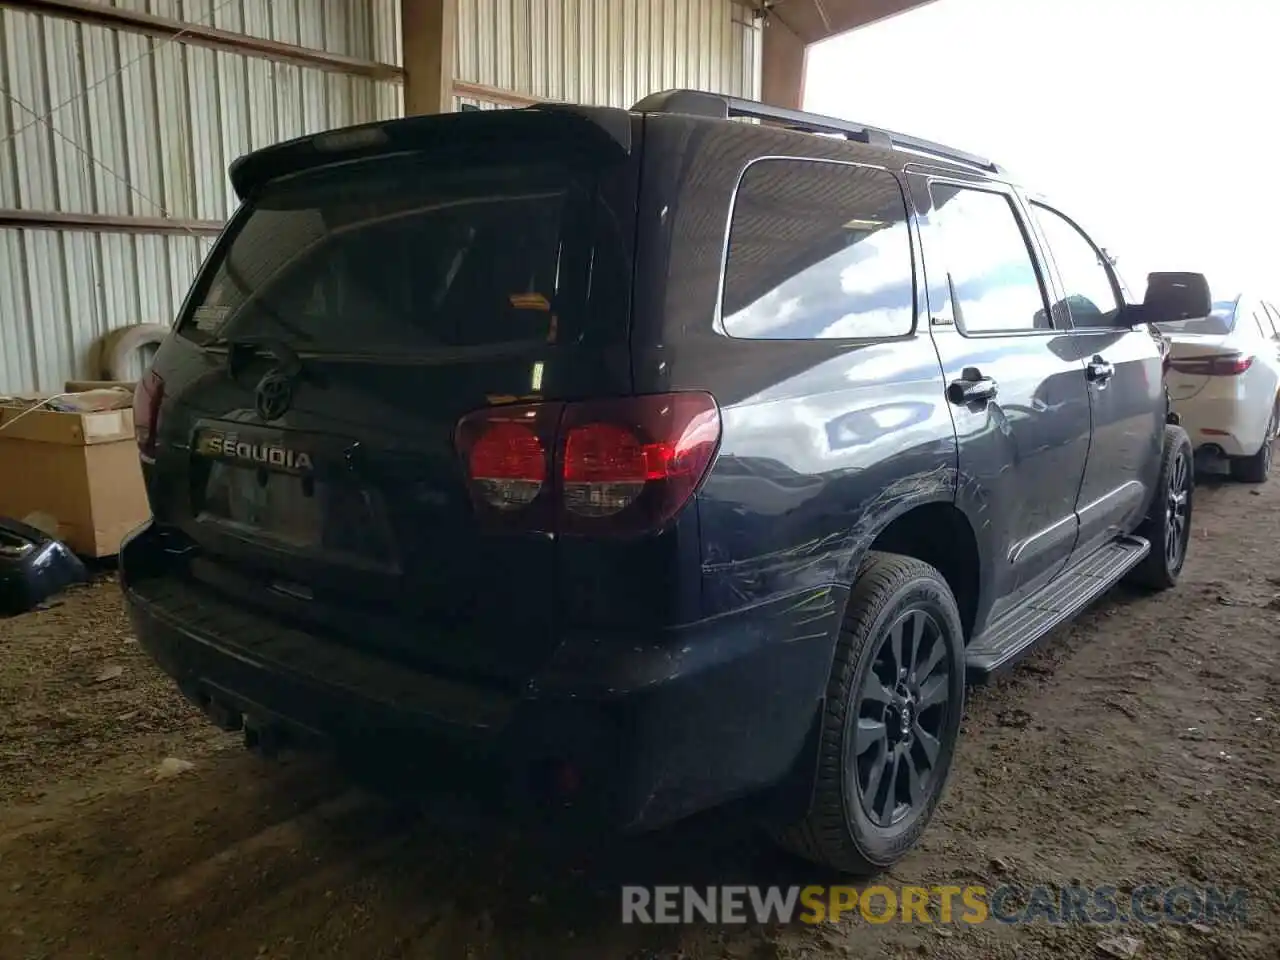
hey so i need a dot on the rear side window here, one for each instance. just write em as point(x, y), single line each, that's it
point(1220, 321)
point(393, 255)
point(994, 283)
point(818, 250)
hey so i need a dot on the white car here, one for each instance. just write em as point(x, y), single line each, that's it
point(1224, 382)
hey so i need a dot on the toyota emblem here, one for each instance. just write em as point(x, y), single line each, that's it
point(275, 394)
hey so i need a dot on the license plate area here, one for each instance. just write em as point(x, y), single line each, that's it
point(299, 513)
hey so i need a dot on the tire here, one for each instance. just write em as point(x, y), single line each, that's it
point(116, 348)
point(1167, 526)
point(1257, 468)
point(841, 829)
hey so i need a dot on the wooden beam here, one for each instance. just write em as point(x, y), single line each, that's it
point(106, 223)
point(507, 98)
point(165, 28)
point(782, 64)
point(427, 32)
point(816, 20)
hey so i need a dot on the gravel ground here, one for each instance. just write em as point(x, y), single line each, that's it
point(1140, 746)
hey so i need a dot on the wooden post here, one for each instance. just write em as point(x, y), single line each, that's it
point(782, 66)
point(427, 29)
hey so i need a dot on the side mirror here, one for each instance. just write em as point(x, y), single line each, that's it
point(1176, 296)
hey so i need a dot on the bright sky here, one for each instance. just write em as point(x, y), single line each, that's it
point(1154, 123)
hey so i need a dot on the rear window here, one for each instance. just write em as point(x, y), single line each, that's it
point(1220, 321)
point(393, 255)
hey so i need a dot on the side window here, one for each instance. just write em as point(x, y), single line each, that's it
point(1252, 319)
point(1272, 326)
point(818, 250)
point(1090, 295)
point(1263, 322)
point(994, 283)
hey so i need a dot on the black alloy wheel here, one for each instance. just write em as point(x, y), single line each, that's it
point(901, 716)
point(1177, 516)
point(1167, 527)
point(890, 718)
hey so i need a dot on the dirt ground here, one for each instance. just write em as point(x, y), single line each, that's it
point(1140, 746)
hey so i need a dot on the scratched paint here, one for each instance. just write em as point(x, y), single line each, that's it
point(820, 562)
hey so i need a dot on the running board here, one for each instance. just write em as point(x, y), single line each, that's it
point(1015, 635)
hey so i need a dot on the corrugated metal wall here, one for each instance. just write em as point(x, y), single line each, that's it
point(101, 121)
point(610, 52)
point(142, 127)
point(355, 28)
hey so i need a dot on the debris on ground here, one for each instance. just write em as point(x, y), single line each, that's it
point(1122, 948)
point(171, 767)
point(34, 565)
point(110, 672)
point(1050, 782)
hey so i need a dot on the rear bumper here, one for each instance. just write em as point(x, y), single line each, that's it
point(1229, 423)
point(646, 730)
point(1216, 424)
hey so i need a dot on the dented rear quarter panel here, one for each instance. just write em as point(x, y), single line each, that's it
point(824, 442)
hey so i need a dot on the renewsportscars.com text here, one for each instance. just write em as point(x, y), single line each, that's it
point(1147, 904)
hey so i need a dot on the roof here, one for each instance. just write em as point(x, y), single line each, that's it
point(717, 106)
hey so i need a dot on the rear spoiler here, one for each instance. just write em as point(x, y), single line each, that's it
point(601, 129)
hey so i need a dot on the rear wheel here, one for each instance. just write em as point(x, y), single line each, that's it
point(1257, 468)
point(892, 716)
point(1168, 524)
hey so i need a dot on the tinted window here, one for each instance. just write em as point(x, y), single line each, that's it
point(391, 255)
point(994, 284)
point(1263, 316)
point(1273, 318)
point(1260, 318)
point(1091, 299)
point(1221, 320)
point(818, 250)
point(1249, 318)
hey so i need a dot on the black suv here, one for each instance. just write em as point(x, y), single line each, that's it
point(655, 458)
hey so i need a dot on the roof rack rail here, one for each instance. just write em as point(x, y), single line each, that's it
point(718, 106)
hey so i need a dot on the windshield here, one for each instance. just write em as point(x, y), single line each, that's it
point(390, 255)
point(1219, 322)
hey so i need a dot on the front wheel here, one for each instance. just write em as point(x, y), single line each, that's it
point(893, 708)
point(1168, 524)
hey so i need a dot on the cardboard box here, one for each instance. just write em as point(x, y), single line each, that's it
point(80, 469)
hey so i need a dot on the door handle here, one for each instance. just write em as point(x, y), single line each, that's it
point(1099, 371)
point(972, 387)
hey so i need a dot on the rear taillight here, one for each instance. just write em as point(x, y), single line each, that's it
point(608, 468)
point(506, 452)
point(508, 465)
point(1231, 365)
point(629, 465)
point(148, 395)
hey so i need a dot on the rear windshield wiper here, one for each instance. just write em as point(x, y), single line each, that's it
point(242, 349)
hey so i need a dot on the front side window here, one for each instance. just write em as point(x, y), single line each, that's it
point(818, 250)
point(994, 283)
point(1257, 318)
point(1090, 295)
point(1273, 318)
